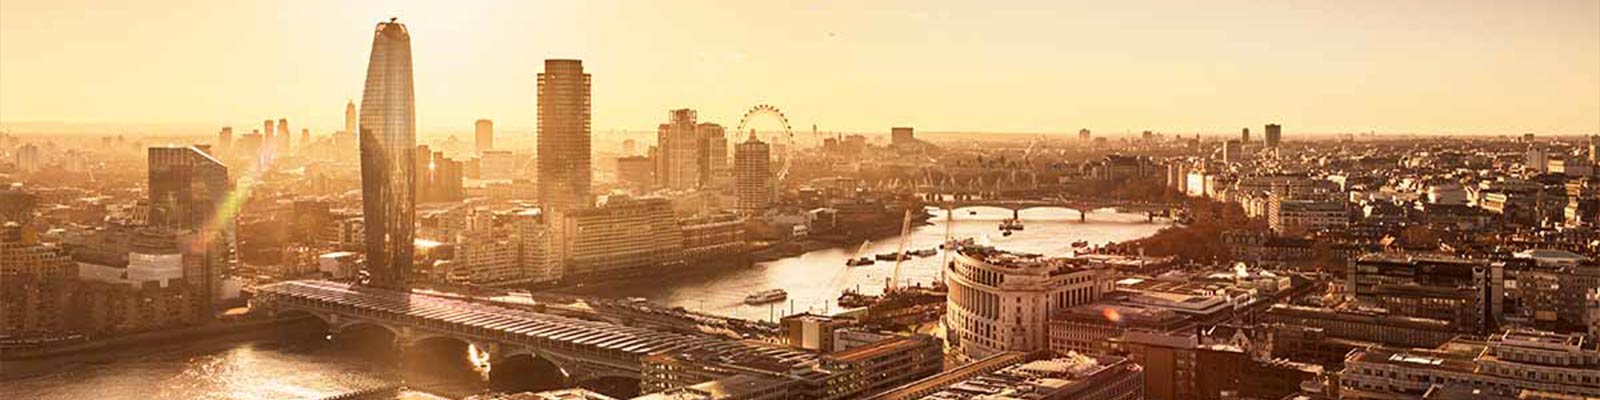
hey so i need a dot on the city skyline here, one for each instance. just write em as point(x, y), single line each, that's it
point(1462, 67)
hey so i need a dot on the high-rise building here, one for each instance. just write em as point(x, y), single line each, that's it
point(269, 142)
point(350, 117)
point(388, 157)
point(1244, 135)
point(225, 140)
point(438, 178)
point(188, 190)
point(752, 175)
point(305, 137)
point(28, 158)
point(484, 138)
point(283, 135)
point(1594, 148)
point(34, 293)
point(1274, 135)
point(563, 150)
point(187, 187)
point(678, 165)
point(1232, 150)
point(711, 153)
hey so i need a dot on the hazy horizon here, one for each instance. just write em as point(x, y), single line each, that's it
point(1461, 67)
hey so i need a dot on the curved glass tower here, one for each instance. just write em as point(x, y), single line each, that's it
point(388, 159)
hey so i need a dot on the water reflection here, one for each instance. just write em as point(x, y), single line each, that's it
point(814, 280)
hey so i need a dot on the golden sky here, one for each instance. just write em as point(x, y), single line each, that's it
point(1432, 66)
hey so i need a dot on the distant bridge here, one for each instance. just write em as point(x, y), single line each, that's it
point(1082, 206)
point(582, 349)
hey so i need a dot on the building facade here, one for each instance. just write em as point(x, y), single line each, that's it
point(388, 157)
point(1001, 301)
point(563, 149)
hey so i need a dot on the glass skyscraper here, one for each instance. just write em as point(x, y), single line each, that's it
point(388, 157)
point(564, 136)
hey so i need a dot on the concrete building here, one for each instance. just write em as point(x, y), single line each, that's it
point(34, 295)
point(1001, 301)
point(1513, 364)
point(714, 239)
point(536, 247)
point(483, 135)
point(623, 237)
point(1467, 293)
point(636, 172)
point(1291, 216)
point(1274, 135)
point(753, 175)
point(1070, 376)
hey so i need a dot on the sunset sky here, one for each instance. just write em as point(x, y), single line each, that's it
point(1458, 66)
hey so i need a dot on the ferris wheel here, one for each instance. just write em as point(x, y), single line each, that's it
point(782, 142)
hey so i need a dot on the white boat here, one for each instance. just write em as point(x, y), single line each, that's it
point(766, 296)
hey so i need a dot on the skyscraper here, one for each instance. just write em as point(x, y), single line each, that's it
point(283, 135)
point(485, 135)
point(711, 148)
point(187, 187)
point(225, 140)
point(563, 149)
point(269, 141)
point(752, 174)
point(188, 190)
point(678, 167)
point(350, 117)
point(1274, 135)
point(388, 164)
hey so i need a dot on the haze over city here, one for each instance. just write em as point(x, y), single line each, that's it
point(895, 200)
point(1474, 67)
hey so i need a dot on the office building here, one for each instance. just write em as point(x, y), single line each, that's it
point(187, 187)
point(283, 136)
point(636, 172)
point(1232, 151)
point(714, 239)
point(563, 150)
point(388, 157)
point(1274, 135)
point(678, 163)
point(1469, 294)
point(1516, 364)
point(483, 135)
point(439, 179)
point(1001, 301)
point(624, 237)
point(350, 117)
point(752, 175)
point(225, 140)
point(497, 164)
point(1071, 376)
point(711, 154)
point(535, 252)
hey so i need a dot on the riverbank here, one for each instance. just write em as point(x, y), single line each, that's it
point(241, 330)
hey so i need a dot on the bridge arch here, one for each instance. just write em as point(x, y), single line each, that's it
point(616, 386)
point(521, 371)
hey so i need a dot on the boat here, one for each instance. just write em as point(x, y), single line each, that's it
point(856, 262)
point(853, 299)
point(925, 252)
point(1005, 233)
point(766, 296)
point(890, 256)
point(972, 213)
point(956, 244)
point(1080, 244)
point(1011, 224)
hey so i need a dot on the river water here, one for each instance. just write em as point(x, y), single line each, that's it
point(814, 280)
point(301, 366)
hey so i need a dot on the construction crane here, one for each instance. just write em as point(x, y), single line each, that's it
point(900, 254)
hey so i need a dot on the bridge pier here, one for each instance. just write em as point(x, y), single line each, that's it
point(1083, 216)
point(1016, 214)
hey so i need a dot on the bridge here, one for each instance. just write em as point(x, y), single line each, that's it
point(582, 349)
point(1082, 206)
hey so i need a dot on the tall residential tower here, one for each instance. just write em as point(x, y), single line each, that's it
point(388, 164)
point(563, 148)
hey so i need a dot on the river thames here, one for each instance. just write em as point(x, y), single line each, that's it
point(302, 366)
